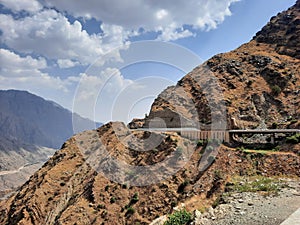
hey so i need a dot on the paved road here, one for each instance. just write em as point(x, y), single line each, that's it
point(294, 219)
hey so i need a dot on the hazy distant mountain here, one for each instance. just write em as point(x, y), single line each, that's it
point(34, 120)
point(31, 128)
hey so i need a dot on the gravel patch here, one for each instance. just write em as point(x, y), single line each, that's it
point(250, 208)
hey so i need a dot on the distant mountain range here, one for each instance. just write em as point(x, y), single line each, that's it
point(31, 119)
point(31, 129)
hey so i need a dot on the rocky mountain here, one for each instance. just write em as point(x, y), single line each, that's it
point(113, 175)
point(31, 129)
point(257, 84)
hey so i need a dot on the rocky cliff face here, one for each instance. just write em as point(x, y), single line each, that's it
point(116, 176)
point(258, 83)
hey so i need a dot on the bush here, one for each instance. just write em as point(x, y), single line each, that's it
point(112, 200)
point(181, 217)
point(295, 139)
point(274, 125)
point(130, 211)
point(135, 198)
point(200, 143)
point(182, 186)
point(276, 89)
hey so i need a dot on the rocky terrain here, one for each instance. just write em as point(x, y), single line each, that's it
point(73, 186)
point(113, 175)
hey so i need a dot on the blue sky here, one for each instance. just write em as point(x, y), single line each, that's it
point(94, 56)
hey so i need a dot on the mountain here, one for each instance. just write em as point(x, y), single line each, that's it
point(256, 84)
point(31, 128)
point(32, 119)
point(113, 175)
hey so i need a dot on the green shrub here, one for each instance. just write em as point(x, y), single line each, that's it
point(130, 211)
point(181, 217)
point(276, 89)
point(112, 200)
point(260, 183)
point(295, 139)
point(135, 198)
point(200, 143)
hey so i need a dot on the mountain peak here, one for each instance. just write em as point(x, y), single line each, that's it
point(283, 31)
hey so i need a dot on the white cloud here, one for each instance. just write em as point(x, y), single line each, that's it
point(13, 65)
point(152, 15)
point(66, 63)
point(27, 5)
point(50, 34)
point(20, 72)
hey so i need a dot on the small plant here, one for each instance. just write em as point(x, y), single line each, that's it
point(276, 149)
point(112, 200)
point(276, 89)
point(130, 211)
point(182, 186)
point(295, 139)
point(200, 143)
point(257, 183)
point(241, 149)
point(274, 125)
point(181, 217)
point(100, 206)
point(135, 198)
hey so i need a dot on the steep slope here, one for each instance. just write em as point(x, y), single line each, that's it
point(113, 175)
point(258, 83)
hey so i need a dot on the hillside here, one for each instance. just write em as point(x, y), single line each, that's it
point(257, 84)
point(113, 175)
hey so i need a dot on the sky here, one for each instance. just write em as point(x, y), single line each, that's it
point(108, 60)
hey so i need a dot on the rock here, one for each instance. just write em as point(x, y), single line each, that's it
point(159, 221)
point(238, 207)
point(242, 212)
point(240, 200)
point(197, 214)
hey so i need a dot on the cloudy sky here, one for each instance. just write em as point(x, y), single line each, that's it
point(108, 59)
